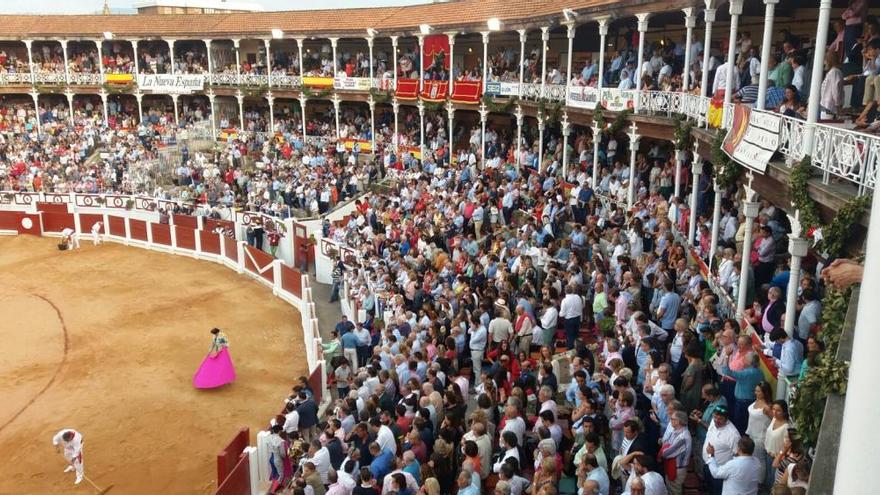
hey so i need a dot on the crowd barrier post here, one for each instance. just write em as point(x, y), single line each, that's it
point(77, 221)
point(173, 233)
point(127, 230)
point(198, 242)
point(239, 246)
point(222, 247)
point(253, 467)
point(149, 235)
point(276, 276)
point(200, 222)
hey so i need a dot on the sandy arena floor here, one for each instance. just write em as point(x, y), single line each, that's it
point(106, 340)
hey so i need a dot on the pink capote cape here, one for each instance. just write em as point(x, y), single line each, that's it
point(215, 371)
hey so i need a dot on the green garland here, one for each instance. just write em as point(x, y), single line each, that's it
point(433, 106)
point(827, 376)
point(255, 92)
point(492, 106)
point(309, 93)
point(682, 134)
point(552, 114)
point(619, 122)
point(118, 88)
point(381, 96)
point(726, 170)
point(835, 234)
point(599, 119)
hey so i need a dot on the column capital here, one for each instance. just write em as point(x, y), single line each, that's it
point(750, 209)
point(603, 24)
point(175, 96)
point(235, 42)
point(451, 36)
point(736, 7)
point(421, 38)
point(394, 41)
point(35, 95)
point(336, 100)
point(207, 41)
point(716, 186)
point(450, 108)
point(270, 98)
point(643, 21)
point(170, 41)
point(28, 43)
point(690, 20)
point(545, 33)
point(421, 106)
point(69, 95)
point(370, 41)
point(485, 35)
point(484, 112)
point(395, 105)
point(798, 246)
point(570, 29)
point(523, 35)
point(566, 124)
point(333, 42)
point(709, 15)
point(267, 42)
point(63, 43)
point(771, 2)
point(371, 102)
point(697, 166)
point(140, 96)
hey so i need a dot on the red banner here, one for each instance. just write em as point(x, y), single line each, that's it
point(435, 91)
point(407, 89)
point(436, 52)
point(467, 91)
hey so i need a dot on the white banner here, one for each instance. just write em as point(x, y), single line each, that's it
point(501, 88)
point(582, 97)
point(181, 84)
point(352, 83)
point(618, 100)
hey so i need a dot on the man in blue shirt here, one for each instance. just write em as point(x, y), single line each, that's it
point(668, 310)
point(383, 461)
point(747, 380)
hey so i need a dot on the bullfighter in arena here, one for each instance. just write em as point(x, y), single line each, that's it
point(216, 369)
point(70, 237)
point(96, 233)
point(70, 443)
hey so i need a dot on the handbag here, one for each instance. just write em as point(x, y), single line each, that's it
point(670, 466)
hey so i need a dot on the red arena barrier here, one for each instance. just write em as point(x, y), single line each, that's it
point(86, 220)
point(210, 224)
point(52, 207)
point(229, 456)
point(238, 482)
point(56, 222)
point(138, 229)
point(210, 242)
point(186, 237)
point(187, 221)
point(231, 248)
point(161, 233)
point(263, 265)
point(117, 226)
point(291, 280)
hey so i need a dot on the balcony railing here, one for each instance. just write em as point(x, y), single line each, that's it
point(15, 78)
point(223, 79)
point(85, 79)
point(50, 78)
point(285, 81)
point(253, 80)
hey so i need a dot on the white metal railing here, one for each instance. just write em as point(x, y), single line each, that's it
point(286, 81)
point(50, 78)
point(253, 80)
point(15, 78)
point(555, 92)
point(85, 79)
point(530, 91)
point(223, 79)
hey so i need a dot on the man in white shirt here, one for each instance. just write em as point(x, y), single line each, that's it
point(70, 443)
point(320, 457)
point(70, 237)
point(96, 233)
point(384, 436)
point(654, 484)
point(571, 310)
point(725, 269)
point(741, 474)
point(721, 77)
point(720, 446)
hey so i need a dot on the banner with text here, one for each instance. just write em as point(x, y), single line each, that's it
point(582, 97)
point(501, 88)
point(317, 82)
point(753, 138)
point(352, 83)
point(434, 91)
point(181, 84)
point(618, 100)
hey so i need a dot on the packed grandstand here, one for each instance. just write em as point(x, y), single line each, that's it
point(574, 244)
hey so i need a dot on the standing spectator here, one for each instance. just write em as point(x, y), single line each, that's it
point(741, 474)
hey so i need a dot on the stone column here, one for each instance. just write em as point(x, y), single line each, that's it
point(372, 104)
point(766, 43)
point(603, 33)
point(421, 62)
point(633, 149)
point(208, 50)
point(523, 35)
point(240, 97)
point(709, 14)
point(679, 162)
point(66, 62)
point(302, 103)
point(174, 98)
point(137, 68)
point(103, 95)
point(484, 114)
point(797, 248)
point(171, 54)
point(36, 97)
point(100, 44)
point(268, 43)
point(519, 125)
point(716, 220)
point(421, 106)
point(545, 37)
point(485, 35)
point(643, 30)
point(818, 71)
point(394, 58)
point(236, 44)
point(299, 47)
point(450, 109)
point(690, 21)
point(270, 98)
point(856, 461)
point(566, 130)
point(541, 127)
point(370, 42)
point(597, 138)
point(570, 29)
point(451, 65)
point(69, 95)
point(336, 102)
point(140, 101)
point(697, 169)
point(333, 43)
point(750, 210)
point(736, 7)
point(29, 44)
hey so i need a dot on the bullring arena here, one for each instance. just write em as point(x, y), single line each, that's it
point(106, 339)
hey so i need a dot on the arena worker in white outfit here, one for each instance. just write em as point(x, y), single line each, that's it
point(70, 443)
point(96, 233)
point(70, 237)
